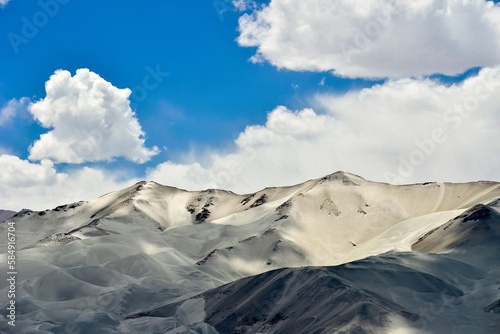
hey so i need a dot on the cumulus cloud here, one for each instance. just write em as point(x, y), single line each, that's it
point(402, 131)
point(89, 120)
point(39, 186)
point(11, 109)
point(375, 38)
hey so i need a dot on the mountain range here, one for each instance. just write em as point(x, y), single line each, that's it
point(338, 254)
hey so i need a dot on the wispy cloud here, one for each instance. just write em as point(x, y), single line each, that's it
point(3, 3)
point(243, 5)
point(11, 109)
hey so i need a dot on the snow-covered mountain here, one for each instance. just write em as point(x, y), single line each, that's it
point(331, 255)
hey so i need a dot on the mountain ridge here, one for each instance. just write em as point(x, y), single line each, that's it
point(149, 246)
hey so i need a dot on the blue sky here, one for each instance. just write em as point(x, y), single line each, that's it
point(230, 67)
point(211, 93)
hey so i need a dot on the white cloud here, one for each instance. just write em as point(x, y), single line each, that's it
point(375, 38)
point(11, 109)
point(90, 120)
point(3, 3)
point(15, 172)
point(39, 186)
point(402, 131)
point(243, 5)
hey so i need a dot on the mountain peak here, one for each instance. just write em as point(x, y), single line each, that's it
point(345, 177)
